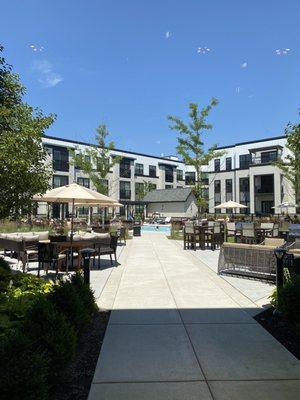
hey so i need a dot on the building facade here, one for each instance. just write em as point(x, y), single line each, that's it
point(245, 174)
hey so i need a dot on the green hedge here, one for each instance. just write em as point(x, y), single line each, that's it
point(40, 323)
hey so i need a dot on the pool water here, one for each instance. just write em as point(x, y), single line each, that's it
point(156, 228)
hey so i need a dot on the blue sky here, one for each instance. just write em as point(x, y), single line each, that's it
point(130, 63)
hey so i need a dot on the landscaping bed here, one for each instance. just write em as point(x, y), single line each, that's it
point(50, 336)
point(285, 331)
point(76, 380)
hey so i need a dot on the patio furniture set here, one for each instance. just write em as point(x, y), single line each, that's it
point(51, 252)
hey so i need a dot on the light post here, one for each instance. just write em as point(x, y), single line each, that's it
point(279, 253)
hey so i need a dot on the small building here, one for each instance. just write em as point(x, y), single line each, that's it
point(178, 202)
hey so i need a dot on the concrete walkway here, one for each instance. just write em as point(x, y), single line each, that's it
point(178, 331)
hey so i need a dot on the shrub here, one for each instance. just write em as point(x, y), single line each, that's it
point(50, 333)
point(23, 372)
point(4, 264)
point(84, 292)
point(66, 300)
point(288, 299)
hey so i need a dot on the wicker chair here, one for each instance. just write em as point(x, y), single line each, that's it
point(50, 258)
point(230, 230)
point(248, 234)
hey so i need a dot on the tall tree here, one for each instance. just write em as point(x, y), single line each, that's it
point(23, 168)
point(96, 161)
point(290, 167)
point(191, 146)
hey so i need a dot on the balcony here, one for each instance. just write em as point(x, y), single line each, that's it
point(264, 189)
point(261, 160)
point(61, 165)
point(125, 172)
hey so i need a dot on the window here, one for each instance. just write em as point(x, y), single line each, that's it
point(60, 180)
point(245, 160)
point(83, 210)
point(87, 159)
point(217, 165)
point(204, 178)
point(139, 169)
point(244, 194)
point(268, 156)
point(139, 209)
point(190, 178)
point(60, 159)
point(125, 171)
point(125, 191)
point(169, 174)
point(139, 190)
point(179, 175)
point(152, 171)
point(217, 197)
point(228, 163)
point(169, 187)
point(83, 182)
point(218, 186)
point(228, 187)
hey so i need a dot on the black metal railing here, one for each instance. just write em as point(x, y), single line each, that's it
point(125, 172)
point(264, 189)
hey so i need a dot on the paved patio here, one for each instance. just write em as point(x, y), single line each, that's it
point(179, 331)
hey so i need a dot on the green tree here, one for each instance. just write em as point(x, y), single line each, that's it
point(24, 171)
point(290, 167)
point(96, 161)
point(144, 188)
point(191, 146)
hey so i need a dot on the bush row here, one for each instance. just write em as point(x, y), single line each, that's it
point(40, 323)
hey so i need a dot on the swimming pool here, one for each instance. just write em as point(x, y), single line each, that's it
point(156, 228)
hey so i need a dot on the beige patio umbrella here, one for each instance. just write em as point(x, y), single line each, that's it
point(75, 193)
point(230, 204)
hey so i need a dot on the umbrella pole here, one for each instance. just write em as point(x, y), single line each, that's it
point(103, 222)
point(71, 236)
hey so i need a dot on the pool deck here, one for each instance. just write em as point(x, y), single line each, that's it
point(179, 331)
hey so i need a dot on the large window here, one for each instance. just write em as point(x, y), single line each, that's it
point(59, 180)
point(125, 170)
point(104, 183)
point(217, 165)
point(139, 169)
point(245, 160)
point(83, 182)
point(228, 189)
point(228, 163)
point(125, 191)
point(152, 171)
point(244, 194)
point(204, 178)
point(268, 156)
point(179, 175)
point(190, 178)
point(60, 159)
point(217, 196)
point(169, 177)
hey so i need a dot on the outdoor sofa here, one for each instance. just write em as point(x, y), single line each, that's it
point(250, 260)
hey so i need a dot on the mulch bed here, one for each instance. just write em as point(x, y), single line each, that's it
point(287, 333)
point(76, 380)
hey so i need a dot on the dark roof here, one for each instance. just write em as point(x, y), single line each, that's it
point(251, 141)
point(168, 195)
point(123, 151)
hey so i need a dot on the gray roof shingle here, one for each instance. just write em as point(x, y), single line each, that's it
point(167, 195)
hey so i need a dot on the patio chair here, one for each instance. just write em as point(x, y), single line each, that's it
point(50, 258)
point(249, 235)
point(189, 236)
point(214, 237)
point(230, 230)
point(110, 249)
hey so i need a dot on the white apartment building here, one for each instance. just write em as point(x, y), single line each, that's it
point(244, 174)
point(123, 180)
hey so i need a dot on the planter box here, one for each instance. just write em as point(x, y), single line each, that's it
point(137, 230)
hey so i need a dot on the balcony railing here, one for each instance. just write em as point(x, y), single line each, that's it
point(125, 172)
point(60, 165)
point(264, 189)
point(264, 160)
point(125, 194)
